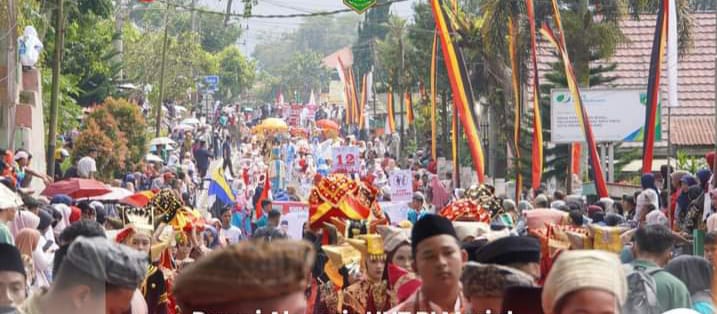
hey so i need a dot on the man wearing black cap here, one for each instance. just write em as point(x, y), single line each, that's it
point(13, 288)
point(96, 276)
point(522, 253)
point(438, 260)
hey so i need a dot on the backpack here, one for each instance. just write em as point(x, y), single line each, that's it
point(642, 290)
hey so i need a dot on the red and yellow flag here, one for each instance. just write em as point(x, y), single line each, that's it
point(518, 104)
point(460, 85)
point(537, 165)
point(409, 108)
point(389, 113)
point(434, 51)
point(364, 99)
point(582, 114)
point(653, 87)
point(354, 97)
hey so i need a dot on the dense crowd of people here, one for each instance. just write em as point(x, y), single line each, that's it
point(204, 231)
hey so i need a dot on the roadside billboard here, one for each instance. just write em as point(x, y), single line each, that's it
point(616, 115)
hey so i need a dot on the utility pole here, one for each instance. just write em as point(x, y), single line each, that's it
point(158, 126)
point(714, 167)
point(118, 41)
point(194, 16)
point(59, 46)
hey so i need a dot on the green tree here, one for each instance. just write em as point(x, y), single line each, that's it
point(213, 34)
point(184, 54)
point(131, 123)
point(101, 133)
point(236, 73)
point(372, 29)
point(302, 74)
point(319, 34)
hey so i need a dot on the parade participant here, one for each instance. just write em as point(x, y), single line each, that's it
point(13, 286)
point(60, 155)
point(248, 278)
point(271, 231)
point(416, 208)
point(710, 246)
point(696, 273)
point(483, 285)
point(522, 253)
point(370, 294)
point(202, 156)
point(227, 155)
point(87, 166)
point(23, 171)
point(138, 234)
point(438, 259)
point(585, 281)
point(652, 249)
point(397, 243)
point(7, 215)
point(96, 276)
point(229, 233)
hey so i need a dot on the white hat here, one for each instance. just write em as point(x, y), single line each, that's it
point(21, 155)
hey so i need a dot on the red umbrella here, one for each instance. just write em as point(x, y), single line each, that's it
point(327, 124)
point(77, 188)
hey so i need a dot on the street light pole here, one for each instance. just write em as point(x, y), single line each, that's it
point(158, 125)
point(59, 44)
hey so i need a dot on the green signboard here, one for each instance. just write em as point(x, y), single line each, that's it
point(359, 5)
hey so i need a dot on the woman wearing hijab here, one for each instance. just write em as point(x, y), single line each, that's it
point(211, 237)
point(696, 273)
point(683, 201)
point(24, 219)
point(29, 243)
point(694, 218)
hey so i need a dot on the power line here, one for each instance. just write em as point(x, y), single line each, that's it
point(273, 16)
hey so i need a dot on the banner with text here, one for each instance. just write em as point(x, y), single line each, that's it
point(616, 115)
point(401, 182)
point(345, 159)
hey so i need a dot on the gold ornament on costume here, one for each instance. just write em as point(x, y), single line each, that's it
point(141, 218)
point(370, 246)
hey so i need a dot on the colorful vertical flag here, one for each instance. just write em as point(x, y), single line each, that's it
point(364, 99)
point(369, 96)
point(353, 96)
point(258, 210)
point(537, 143)
point(460, 85)
point(340, 69)
point(576, 151)
point(517, 101)
point(219, 187)
point(582, 115)
point(454, 146)
point(390, 119)
point(434, 52)
point(653, 87)
point(409, 108)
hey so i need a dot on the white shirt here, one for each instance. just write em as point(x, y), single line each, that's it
point(85, 166)
point(231, 235)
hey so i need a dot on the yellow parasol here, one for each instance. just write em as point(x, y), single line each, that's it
point(273, 124)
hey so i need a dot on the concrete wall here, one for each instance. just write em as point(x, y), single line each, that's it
point(29, 121)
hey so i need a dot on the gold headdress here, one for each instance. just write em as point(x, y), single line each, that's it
point(141, 218)
point(370, 246)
